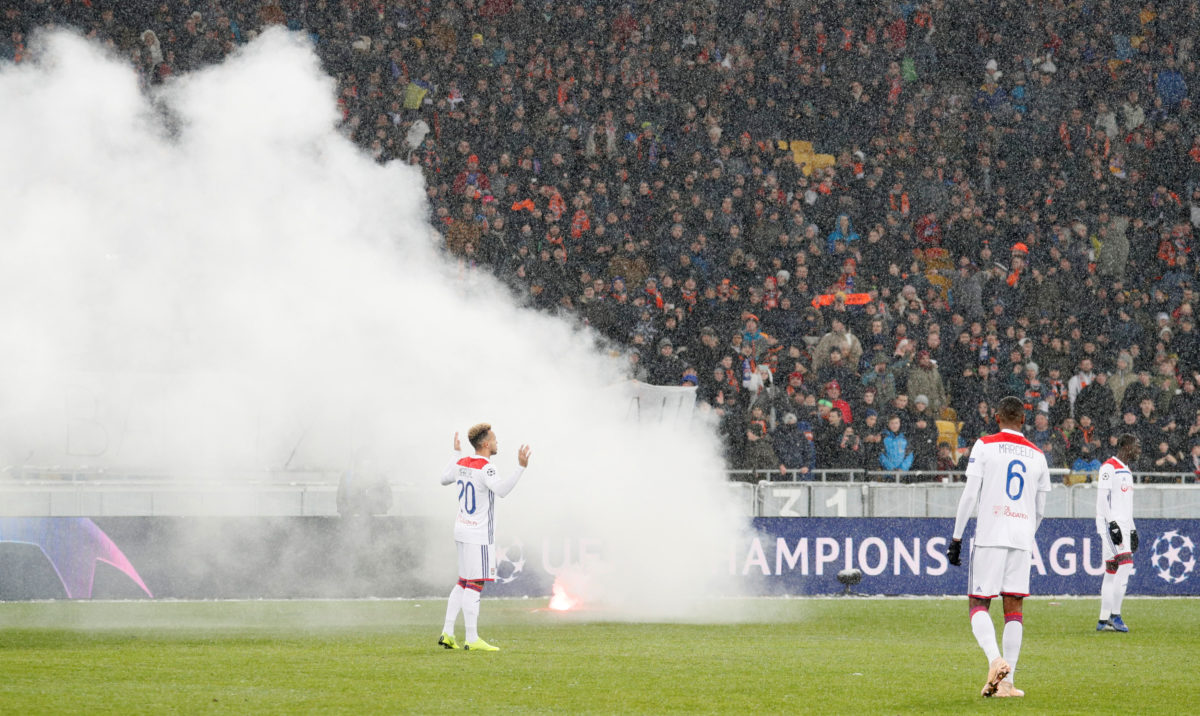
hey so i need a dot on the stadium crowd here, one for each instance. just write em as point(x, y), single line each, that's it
point(1008, 203)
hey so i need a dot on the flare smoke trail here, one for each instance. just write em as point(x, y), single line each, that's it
point(194, 279)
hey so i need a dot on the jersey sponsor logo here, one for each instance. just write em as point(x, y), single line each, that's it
point(1007, 511)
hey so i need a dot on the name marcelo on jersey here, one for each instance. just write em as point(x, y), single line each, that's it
point(1014, 449)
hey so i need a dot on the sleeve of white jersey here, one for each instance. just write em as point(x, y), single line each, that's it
point(975, 460)
point(449, 473)
point(501, 485)
point(970, 494)
point(1043, 489)
point(1104, 482)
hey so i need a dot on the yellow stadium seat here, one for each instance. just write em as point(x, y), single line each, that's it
point(820, 161)
point(799, 146)
point(947, 433)
point(942, 283)
point(805, 157)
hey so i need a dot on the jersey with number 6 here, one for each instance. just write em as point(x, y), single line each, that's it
point(1008, 471)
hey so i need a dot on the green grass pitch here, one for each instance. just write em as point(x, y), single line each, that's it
point(831, 656)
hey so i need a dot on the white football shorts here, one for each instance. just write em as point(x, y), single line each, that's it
point(476, 561)
point(1110, 550)
point(998, 570)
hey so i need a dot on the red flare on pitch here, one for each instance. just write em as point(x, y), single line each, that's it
point(560, 601)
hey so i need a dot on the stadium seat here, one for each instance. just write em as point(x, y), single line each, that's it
point(805, 157)
point(820, 161)
point(800, 146)
point(947, 433)
point(942, 283)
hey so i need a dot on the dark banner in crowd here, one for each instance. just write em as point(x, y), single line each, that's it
point(389, 557)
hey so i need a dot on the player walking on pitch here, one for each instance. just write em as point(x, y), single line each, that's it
point(1114, 521)
point(1008, 478)
point(479, 483)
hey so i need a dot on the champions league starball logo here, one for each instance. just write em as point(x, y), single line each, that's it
point(510, 562)
point(1174, 556)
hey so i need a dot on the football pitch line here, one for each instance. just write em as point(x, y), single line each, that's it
point(773, 655)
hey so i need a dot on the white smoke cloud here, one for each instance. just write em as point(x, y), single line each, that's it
point(212, 278)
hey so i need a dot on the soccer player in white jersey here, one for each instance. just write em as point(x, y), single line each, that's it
point(1008, 478)
point(1114, 522)
point(479, 484)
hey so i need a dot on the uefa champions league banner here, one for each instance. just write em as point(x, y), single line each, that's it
point(329, 557)
point(800, 556)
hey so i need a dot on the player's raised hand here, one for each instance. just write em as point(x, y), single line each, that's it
point(523, 455)
point(457, 444)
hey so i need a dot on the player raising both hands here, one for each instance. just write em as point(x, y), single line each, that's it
point(1008, 478)
point(479, 483)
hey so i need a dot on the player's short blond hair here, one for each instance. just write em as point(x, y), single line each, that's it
point(478, 433)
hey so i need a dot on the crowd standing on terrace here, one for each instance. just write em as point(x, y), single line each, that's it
point(842, 222)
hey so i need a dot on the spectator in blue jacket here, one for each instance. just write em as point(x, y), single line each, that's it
point(896, 453)
point(1171, 85)
point(843, 231)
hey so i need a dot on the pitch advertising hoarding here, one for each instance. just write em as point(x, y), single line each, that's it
point(908, 556)
point(319, 557)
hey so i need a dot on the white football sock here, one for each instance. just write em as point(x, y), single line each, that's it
point(453, 605)
point(1106, 596)
point(1121, 584)
point(470, 609)
point(985, 634)
point(1013, 631)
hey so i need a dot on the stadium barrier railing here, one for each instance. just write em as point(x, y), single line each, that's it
point(773, 498)
point(920, 476)
point(822, 475)
point(49, 492)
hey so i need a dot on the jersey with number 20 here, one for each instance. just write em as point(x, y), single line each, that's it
point(478, 485)
point(1008, 471)
point(476, 503)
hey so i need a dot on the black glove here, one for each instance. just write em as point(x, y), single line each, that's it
point(953, 551)
point(1133, 541)
point(1114, 532)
